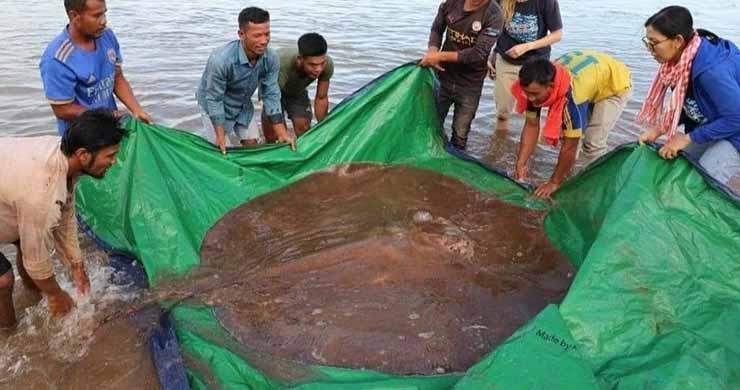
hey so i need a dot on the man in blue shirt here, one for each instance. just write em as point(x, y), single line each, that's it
point(234, 72)
point(81, 67)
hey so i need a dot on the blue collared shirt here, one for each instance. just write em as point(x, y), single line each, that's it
point(229, 81)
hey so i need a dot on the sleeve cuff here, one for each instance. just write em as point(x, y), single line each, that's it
point(572, 133)
point(696, 137)
point(58, 102)
point(74, 260)
point(435, 41)
point(276, 118)
point(41, 273)
point(218, 119)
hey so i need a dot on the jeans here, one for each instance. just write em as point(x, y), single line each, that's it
point(466, 104)
point(719, 158)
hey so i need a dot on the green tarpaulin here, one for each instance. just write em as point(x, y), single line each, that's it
point(656, 302)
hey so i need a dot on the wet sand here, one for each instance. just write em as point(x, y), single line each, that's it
point(388, 268)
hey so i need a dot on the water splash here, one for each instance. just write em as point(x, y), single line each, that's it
point(41, 342)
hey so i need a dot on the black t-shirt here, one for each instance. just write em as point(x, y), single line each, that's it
point(472, 35)
point(532, 20)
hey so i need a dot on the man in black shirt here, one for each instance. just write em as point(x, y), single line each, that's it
point(471, 28)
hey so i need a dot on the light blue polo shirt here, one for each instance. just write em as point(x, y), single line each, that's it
point(73, 75)
point(229, 81)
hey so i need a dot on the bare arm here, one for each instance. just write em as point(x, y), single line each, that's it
point(65, 234)
point(35, 245)
point(68, 245)
point(448, 56)
point(321, 101)
point(68, 111)
point(123, 91)
point(548, 40)
point(433, 58)
point(49, 286)
point(283, 136)
point(220, 131)
point(553, 23)
point(527, 144)
point(566, 160)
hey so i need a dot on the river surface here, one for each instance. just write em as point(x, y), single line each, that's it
point(166, 44)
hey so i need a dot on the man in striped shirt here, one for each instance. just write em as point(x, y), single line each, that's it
point(81, 67)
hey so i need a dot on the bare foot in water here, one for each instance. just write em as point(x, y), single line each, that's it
point(28, 296)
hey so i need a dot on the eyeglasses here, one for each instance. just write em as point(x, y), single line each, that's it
point(650, 45)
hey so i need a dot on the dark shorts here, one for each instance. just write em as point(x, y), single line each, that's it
point(297, 106)
point(4, 264)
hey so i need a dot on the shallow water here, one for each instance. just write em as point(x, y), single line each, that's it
point(91, 347)
point(114, 356)
point(386, 268)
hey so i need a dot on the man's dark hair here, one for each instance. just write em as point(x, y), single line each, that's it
point(253, 15)
point(311, 45)
point(93, 130)
point(76, 5)
point(540, 70)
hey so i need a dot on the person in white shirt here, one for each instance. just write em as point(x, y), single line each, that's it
point(37, 205)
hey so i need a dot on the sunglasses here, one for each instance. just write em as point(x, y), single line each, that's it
point(650, 45)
